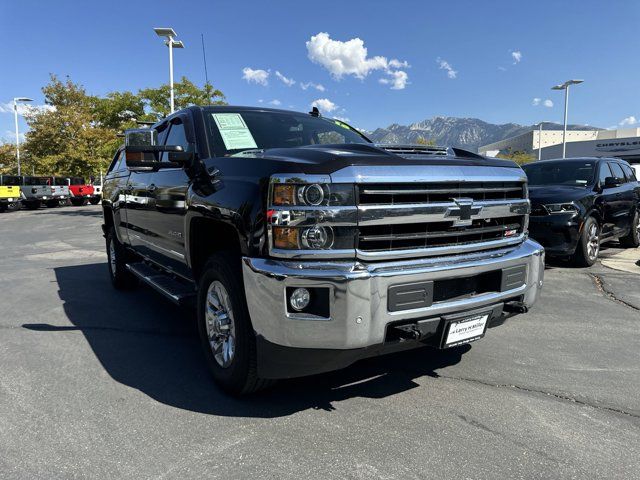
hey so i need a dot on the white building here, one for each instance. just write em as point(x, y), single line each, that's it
point(623, 143)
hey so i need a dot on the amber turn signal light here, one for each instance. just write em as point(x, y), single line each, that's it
point(285, 238)
point(284, 195)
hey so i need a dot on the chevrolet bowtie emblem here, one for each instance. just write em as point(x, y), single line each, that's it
point(462, 212)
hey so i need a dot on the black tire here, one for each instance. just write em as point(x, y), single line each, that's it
point(240, 375)
point(32, 204)
point(3, 207)
point(52, 203)
point(117, 258)
point(94, 201)
point(632, 240)
point(78, 202)
point(588, 247)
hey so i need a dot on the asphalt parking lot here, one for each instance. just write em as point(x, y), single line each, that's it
point(103, 384)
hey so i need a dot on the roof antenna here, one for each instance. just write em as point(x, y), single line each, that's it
point(204, 58)
point(314, 112)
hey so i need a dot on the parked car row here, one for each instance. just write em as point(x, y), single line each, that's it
point(34, 192)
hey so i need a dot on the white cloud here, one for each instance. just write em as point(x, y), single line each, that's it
point(275, 102)
point(630, 120)
point(538, 101)
point(324, 104)
point(352, 58)
point(502, 69)
point(24, 108)
point(317, 86)
point(342, 119)
point(444, 65)
point(517, 56)
point(398, 80)
point(255, 76)
point(287, 81)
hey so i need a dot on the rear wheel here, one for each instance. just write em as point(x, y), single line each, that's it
point(632, 240)
point(589, 245)
point(32, 204)
point(117, 259)
point(52, 203)
point(225, 329)
point(78, 202)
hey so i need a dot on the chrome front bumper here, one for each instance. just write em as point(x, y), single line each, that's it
point(358, 294)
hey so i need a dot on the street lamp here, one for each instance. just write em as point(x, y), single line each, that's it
point(565, 86)
point(170, 33)
point(15, 116)
point(540, 138)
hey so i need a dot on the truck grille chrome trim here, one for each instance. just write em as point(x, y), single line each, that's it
point(408, 220)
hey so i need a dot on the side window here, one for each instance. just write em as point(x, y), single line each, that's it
point(117, 163)
point(177, 136)
point(617, 171)
point(604, 172)
point(629, 172)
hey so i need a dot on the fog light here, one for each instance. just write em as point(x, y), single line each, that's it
point(317, 237)
point(300, 299)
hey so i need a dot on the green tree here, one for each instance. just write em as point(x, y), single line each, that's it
point(186, 93)
point(8, 159)
point(65, 138)
point(519, 157)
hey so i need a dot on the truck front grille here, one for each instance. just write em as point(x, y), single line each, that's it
point(412, 220)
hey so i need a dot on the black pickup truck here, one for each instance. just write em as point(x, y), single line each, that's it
point(305, 247)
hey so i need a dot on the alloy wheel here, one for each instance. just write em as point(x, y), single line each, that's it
point(593, 242)
point(112, 257)
point(220, 325)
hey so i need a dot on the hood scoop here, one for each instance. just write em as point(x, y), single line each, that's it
point(415, 149)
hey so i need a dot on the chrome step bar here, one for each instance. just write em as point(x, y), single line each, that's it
point(178, 292)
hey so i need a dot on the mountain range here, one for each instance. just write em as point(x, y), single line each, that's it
point(468, 133)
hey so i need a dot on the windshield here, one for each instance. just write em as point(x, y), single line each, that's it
point(10, 180)
point(76, 181)
point(578, 173)
point(235, 132)
point(35, 181)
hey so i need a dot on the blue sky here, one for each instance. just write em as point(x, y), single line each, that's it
point(458, 58)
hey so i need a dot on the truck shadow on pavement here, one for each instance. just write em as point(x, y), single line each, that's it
point(146, 343)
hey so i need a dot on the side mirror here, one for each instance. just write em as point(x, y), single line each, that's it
point(143, 153)
point(611, 182)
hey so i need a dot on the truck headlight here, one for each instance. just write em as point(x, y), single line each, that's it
point(562, 208)
point(315, 237)
point(314, 194)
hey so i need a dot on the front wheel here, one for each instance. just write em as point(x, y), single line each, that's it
point(53, 203)
point(94, 200)
point(225, 329)
point(632, 240)
point(589, 244)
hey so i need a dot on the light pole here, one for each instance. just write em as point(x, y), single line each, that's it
point(565, 86)
point(540, 141)
point(15, 116)
point(170, 33)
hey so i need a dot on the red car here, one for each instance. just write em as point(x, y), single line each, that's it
point(81, 192)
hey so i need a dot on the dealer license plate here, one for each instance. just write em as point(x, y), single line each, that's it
point(466, 330)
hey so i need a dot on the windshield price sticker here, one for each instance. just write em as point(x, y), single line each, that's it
point(234, 131)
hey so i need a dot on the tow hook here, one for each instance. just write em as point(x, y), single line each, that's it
point(409, 331)
point(515, 307)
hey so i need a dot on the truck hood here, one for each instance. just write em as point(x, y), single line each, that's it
point(557, 193)
point(328, 159)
